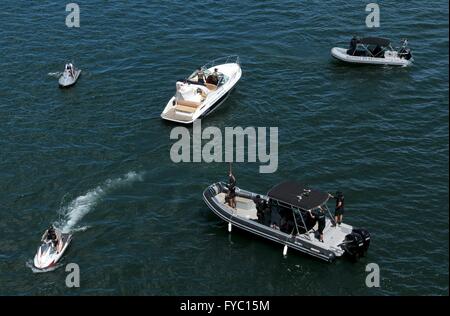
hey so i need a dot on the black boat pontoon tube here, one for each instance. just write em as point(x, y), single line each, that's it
point(284, 215)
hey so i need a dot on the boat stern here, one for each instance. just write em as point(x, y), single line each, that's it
point(177, 113)
point(356, 244)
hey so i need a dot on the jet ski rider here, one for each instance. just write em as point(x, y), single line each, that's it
point(51, 236)
point(69, 67)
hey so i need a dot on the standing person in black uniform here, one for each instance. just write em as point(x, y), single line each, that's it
point(352, 45)
point(321, 222)
point(260, 208)
point(231, 190)
point(339, 209)
point(319, 216)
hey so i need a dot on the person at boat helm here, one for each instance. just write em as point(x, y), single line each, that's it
point(260, 208)
point(214, 77)
point(216, 73)
point(353, 43)
point(201, 76)
point(339, 209)
point(232, 190)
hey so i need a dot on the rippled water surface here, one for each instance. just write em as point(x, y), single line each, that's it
point(95, 158)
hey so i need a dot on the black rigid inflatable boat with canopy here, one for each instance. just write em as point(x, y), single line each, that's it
point(284, 214)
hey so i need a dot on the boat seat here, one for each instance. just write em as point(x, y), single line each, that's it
point(211, 86)
point(183, 108)
point(192, 104)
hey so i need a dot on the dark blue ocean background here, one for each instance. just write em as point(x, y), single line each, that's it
point(96, 157)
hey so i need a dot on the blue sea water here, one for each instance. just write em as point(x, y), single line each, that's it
point(95, 158)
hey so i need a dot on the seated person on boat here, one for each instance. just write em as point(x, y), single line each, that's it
point(204, 77)
point(213, 78)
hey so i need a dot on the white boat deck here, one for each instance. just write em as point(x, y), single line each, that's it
point(193, 100)
point(333, 236)
point(245, 208)
point(175, 115)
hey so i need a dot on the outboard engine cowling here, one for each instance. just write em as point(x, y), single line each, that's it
point(405, 53)
point(365, 236)
point(353, 245)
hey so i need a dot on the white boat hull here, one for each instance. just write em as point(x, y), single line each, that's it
point(47, 256)
point(341, 54)
point(66, 80)
point(245, 217)
point(213, 99)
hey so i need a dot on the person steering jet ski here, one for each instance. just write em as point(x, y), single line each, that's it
point(69, 68)
point(52, 236)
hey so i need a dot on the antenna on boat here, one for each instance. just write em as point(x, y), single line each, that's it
point(229, 223)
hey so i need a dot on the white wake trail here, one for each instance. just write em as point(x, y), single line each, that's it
point(55, 74)
point(83, 204)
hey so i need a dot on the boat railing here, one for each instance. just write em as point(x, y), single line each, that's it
point(232, 59)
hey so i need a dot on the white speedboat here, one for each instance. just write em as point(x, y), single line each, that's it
point(195, 98)
point(375, 51)
point(52, 249)
point(285, 215)
point(69, 77)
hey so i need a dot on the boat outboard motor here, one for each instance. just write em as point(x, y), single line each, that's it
point(365, 236)
point(405, 53)
point(353, 245)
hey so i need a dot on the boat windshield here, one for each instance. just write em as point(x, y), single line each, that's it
point(222, 60)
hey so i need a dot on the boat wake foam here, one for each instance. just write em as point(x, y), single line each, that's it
point(78, 208)
point(29, 264)
point(55, 74)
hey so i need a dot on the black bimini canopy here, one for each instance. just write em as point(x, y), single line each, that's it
point(375, 41)
point(298, 195)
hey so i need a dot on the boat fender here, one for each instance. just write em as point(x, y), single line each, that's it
point(285, 249)
point(229, 227)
